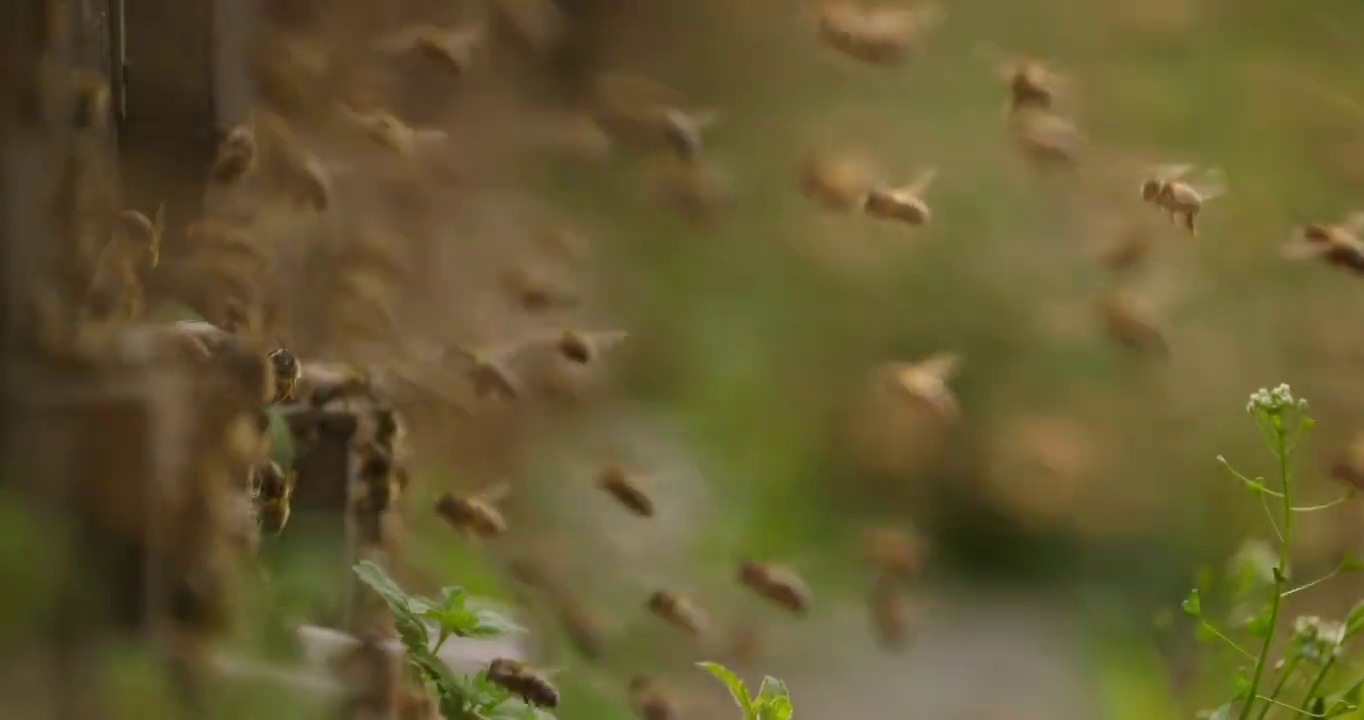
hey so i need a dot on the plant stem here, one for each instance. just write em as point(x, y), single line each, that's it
point(1288, 669)
point(1317, 681)
point(1280, 576)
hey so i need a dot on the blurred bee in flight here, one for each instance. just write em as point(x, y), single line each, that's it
point(879, 35)
point(521, 680)
point(1338, 244)
point(649, 700)
point(1047, 138)
point(475, 515)
point(1170, 188)
point(451, 49)
point(237, 154)
point(1348, 464)
point(839, 182)
point(387, 130)
point(903, 204)
point(778, 584)
point(678, 611)
point(615, 479)
point(1130, 319)
point(926, 382)
point(893, 552)
point(1032, 83)
point(891, 613)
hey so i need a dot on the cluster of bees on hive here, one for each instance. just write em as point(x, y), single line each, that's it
point(268, 156)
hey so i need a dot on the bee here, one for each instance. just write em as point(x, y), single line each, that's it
point(237, 155)
point(890, 612)
point(649, 700)
point(91, 103)
point(517, 677)
point(1348, 466)
point(1032, 83)
point(678, 611)
point(288, 371)
point(616, 481)
point(778, 584)
point(536, 293)
point(475, 515)
point(1339, 244)
point(1130, 319)
point(387, 130)
point(682, 131)
point(1128, 250)
point(1045, 137)
point(1169, 188)
point(893, 552)
point(838, 183)
point(322, 383)
point(903, 204)
point(700, 190)
point(926, 382)
point(451, 49)
point(272, 489)
point(876, 35)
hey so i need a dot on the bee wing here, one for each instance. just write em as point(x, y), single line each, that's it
point(943, 365)
point(921, 183)
point(1172, 171)
point(1210, 183)
point(1354, 222)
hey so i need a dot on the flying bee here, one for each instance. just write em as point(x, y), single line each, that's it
point(678, 611)
point(273, 489)
point(1032, 83)
point(877, 35)
point(476, 515)
point(452, 49)
point(1130, 319)
point(1339, 244)
point(584, 348)
point(778, 584)
point(288, 371)
point(1170, 189)
point(536, 293)
point(616, 481)
point(902, 204)
point(893, 552)
point(891, 613)
point(387, 130)
point(926, 382)
point(682, 131)
point(145, 232)
point(237, 155)
point(838, 182)
point(1047, 138)
point(649, 700)
point(517, 677)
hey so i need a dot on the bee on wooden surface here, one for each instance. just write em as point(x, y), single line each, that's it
point(1348, 464)
point(521, 680)
point(893, 552)
point(891, 613)
point(91, 102)
point(1339, 244)
point(648, 699)
point(288, 371)
point(902, 204)
point(838, 182)
point(387, 130)
point(779, 584)
point(678, 611)
point(237, 155)
point(616, 481)
point(535, 292)
point(1170, 188)
point(1130, 319)
point(474, 515)
point(451, 49)
point(272, 489)
point(880, 35)
point(1048, 139)
point(927, 382)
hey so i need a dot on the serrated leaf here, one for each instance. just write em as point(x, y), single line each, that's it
point(733, 682)
point(1192, 605)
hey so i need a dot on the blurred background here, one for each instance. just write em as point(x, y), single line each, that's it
point(1057, 520)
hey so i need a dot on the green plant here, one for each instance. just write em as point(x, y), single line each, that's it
point(1259, 580)
point(454, 614)
point(773, 701)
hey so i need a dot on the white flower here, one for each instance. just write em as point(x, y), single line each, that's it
point(1316, 639)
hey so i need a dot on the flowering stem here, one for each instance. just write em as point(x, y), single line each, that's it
point(1280, 574)
point(1318, 680)
point(1287, 675)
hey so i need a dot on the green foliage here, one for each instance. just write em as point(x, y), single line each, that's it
point(773, 701)
point(459, 697)
point(1258, 578)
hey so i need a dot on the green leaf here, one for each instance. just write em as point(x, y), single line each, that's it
point(1258, 625)
point(1241, 686)
point(1318, 707)
point(1351, 562)
point(733, 682)
point(1354, 620)
point(778, 709)
point(773, 701)
point(491, 623)
point(1192, 605)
